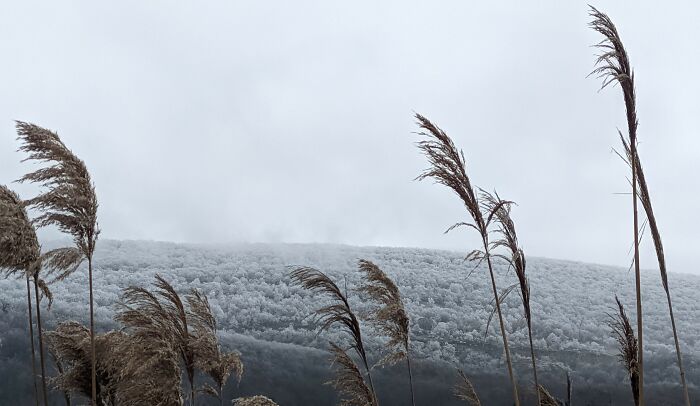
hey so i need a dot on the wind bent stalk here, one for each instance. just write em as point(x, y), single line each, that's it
point(93, 358)
point(31, 340)
point(21, 254)
point(614, 67)
point(516, 259)
point(645, 199)
point(39, 333)
point(69, 203)
point(448, 168)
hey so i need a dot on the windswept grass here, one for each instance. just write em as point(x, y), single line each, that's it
point(623, 333)
point(645, 199)
point(516, 259)
point(68, 202)
point(337, 313)
point(389, 317)
point(348, 380)
point(21, 253)
point(464, 390)
point(254, 401)
point(613, 66)
point(448, 167)
point(209, 358)
point(161, 314)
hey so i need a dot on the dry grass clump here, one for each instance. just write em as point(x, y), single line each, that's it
point(209, 357)
point(464, 390)
point(173, 332)
point(448, 167)
point(623, 333)
point(389, 317)
point(18, 242)
point(148, 370)
point(161, 314)
point(254, 401)
point(130, 371)
point(143, 363)
point(70, 344)
point(339, 312)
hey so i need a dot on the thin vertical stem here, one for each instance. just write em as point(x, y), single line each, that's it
point(633, 149)
point(371, 384)
point(92, 335)
point(31, 340)
point(678, 350)
point(192, 391)
point(534, 366)
point(500, 321)
point(410, 379)
point(658, 245)
point(41, 341)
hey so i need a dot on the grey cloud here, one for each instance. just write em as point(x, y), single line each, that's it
point(250, 121)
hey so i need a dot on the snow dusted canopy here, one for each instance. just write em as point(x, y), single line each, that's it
point(252, 297)
point(281, 122)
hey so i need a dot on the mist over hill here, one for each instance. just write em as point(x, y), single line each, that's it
point(448, 300)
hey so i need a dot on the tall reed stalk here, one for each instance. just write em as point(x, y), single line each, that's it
point(40, 334)
point(67, 202)
point(31, 341)
point(614, 67)
point(645, 199)
point(447, 167)
point(516, 259)
point(21, 255)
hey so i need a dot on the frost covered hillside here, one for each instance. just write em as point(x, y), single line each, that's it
point(269, 321)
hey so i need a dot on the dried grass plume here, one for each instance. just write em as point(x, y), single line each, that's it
point(464, 390)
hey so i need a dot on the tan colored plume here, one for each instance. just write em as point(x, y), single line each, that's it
point(623, 333)
point(348, 380)
point(339, 312)
point(464, 390)
point(254, 401)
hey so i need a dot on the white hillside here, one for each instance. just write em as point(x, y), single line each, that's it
point(248, 286)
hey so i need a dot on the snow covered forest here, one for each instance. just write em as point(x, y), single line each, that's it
point(139, 322)
point(265, 318)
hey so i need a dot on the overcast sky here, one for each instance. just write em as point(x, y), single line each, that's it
point(292, 121)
